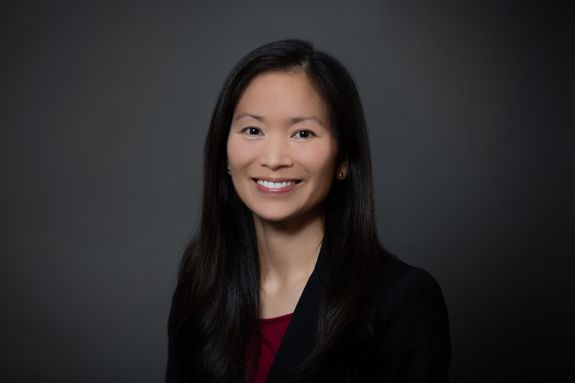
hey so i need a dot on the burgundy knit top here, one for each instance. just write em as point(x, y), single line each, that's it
point(272, 331)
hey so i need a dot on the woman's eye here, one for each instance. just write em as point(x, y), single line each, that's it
point(251, 131)
point(304, 134)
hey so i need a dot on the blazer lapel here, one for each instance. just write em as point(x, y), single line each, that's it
point(300, 335)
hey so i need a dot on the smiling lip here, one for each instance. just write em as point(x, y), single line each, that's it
point(275, 185)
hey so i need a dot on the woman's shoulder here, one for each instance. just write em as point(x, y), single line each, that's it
point(417, 342)
point(404, 284)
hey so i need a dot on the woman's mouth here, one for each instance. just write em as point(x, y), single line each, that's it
point(276, 186)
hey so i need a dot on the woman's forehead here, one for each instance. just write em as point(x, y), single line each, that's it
point(287, 95)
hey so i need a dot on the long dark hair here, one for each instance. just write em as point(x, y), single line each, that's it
point(215, 306)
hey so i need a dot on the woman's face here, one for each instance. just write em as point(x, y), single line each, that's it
point(281, 150)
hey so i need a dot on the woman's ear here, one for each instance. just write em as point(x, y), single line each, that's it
point(342, 170)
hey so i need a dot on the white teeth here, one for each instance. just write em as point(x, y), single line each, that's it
point(275, 185)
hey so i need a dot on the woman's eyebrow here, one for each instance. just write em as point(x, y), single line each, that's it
point(293, 120)
point(254, 116)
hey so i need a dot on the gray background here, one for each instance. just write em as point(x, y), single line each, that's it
point(105, 106)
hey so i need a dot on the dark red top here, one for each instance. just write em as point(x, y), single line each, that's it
point(272, 331)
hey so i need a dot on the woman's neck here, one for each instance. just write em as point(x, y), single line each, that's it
point(288, 251)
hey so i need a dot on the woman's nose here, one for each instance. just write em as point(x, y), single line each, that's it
point(275, 153)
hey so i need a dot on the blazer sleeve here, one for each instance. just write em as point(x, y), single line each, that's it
point(417, 345)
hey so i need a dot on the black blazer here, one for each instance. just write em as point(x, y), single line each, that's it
point(413, 344)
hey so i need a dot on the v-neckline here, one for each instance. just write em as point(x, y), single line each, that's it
point(299, 338)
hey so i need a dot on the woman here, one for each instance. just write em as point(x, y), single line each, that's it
point(285, 279)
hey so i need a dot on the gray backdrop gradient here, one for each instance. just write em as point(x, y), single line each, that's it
point(105, 106)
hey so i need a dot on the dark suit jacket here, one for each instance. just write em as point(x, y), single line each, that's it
point(412, 345)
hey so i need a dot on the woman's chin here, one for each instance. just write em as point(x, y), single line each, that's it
point(274, 216)
point(286, 216)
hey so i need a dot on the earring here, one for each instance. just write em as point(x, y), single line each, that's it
point(228, 167)
point(341, 175)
